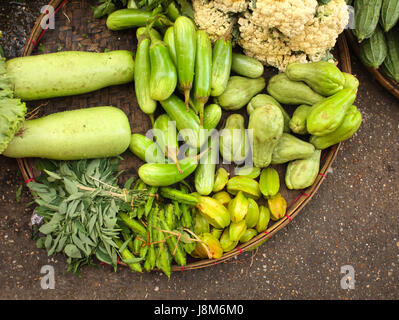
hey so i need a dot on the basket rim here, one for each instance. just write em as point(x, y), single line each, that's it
point(389, 84)
point(293, 209)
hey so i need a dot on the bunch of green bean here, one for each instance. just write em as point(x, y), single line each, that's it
point(157, 233)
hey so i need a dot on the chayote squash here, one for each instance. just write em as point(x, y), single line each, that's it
point(264, 99)
point(323, 77)
point(233, 140)
point(298, 121)
point(327, 115)
point(348, 127)
point(302, 173)
point(266, 125)
point(239, 92)
point(350, 81)
point(291, 92)
point(291, 148)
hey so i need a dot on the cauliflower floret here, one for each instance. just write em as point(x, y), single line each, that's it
point(321, 33)
point(214, 21)
point(288, 16)
point(266, 45)
point(231, 5)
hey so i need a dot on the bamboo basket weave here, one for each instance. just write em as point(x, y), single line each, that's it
point(77, 30)
point(389, 84)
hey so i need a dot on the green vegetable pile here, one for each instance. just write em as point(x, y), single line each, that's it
point(377, 30)
point(182, 204)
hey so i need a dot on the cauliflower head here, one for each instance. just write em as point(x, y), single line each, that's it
point(276, 32)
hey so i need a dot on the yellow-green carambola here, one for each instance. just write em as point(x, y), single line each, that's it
point(96, 132)
point(68, 73)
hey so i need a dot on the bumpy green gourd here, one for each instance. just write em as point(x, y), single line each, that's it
point(367, 14)
point(291, 92)
point(233, 140)
point(391, 63)
point(267, 125)
point(302, 173)
point(291, 148)
point(327, 115)
point(373, 51)
point(239, 92)
point(298, 121)
point(389, 14)
point(323, 77)
point(348, 127)
point(264, 99)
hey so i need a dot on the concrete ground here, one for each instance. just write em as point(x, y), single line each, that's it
point(352, 221)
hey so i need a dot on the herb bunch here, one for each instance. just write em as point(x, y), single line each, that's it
point(79, 201)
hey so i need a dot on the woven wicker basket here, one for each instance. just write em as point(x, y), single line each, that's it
point(77, 30)
point(389, 84)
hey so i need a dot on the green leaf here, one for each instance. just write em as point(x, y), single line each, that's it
point(48, 242)
point(18, 193)
point(124, 245)
point(132, 260)
point(48, 228)
point(70, 187)
point(52, 174)
point(128, 183)
point(61, 243)
point(40, 243)
point(72, 251)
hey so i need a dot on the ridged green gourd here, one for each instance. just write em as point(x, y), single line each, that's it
point(373, 51)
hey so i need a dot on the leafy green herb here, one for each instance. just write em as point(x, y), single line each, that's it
point(106, 7)
point(79, 201)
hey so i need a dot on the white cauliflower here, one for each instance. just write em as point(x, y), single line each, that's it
point(214, 21)
point(231, 5)
point(288, 16)
point(276, 32)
